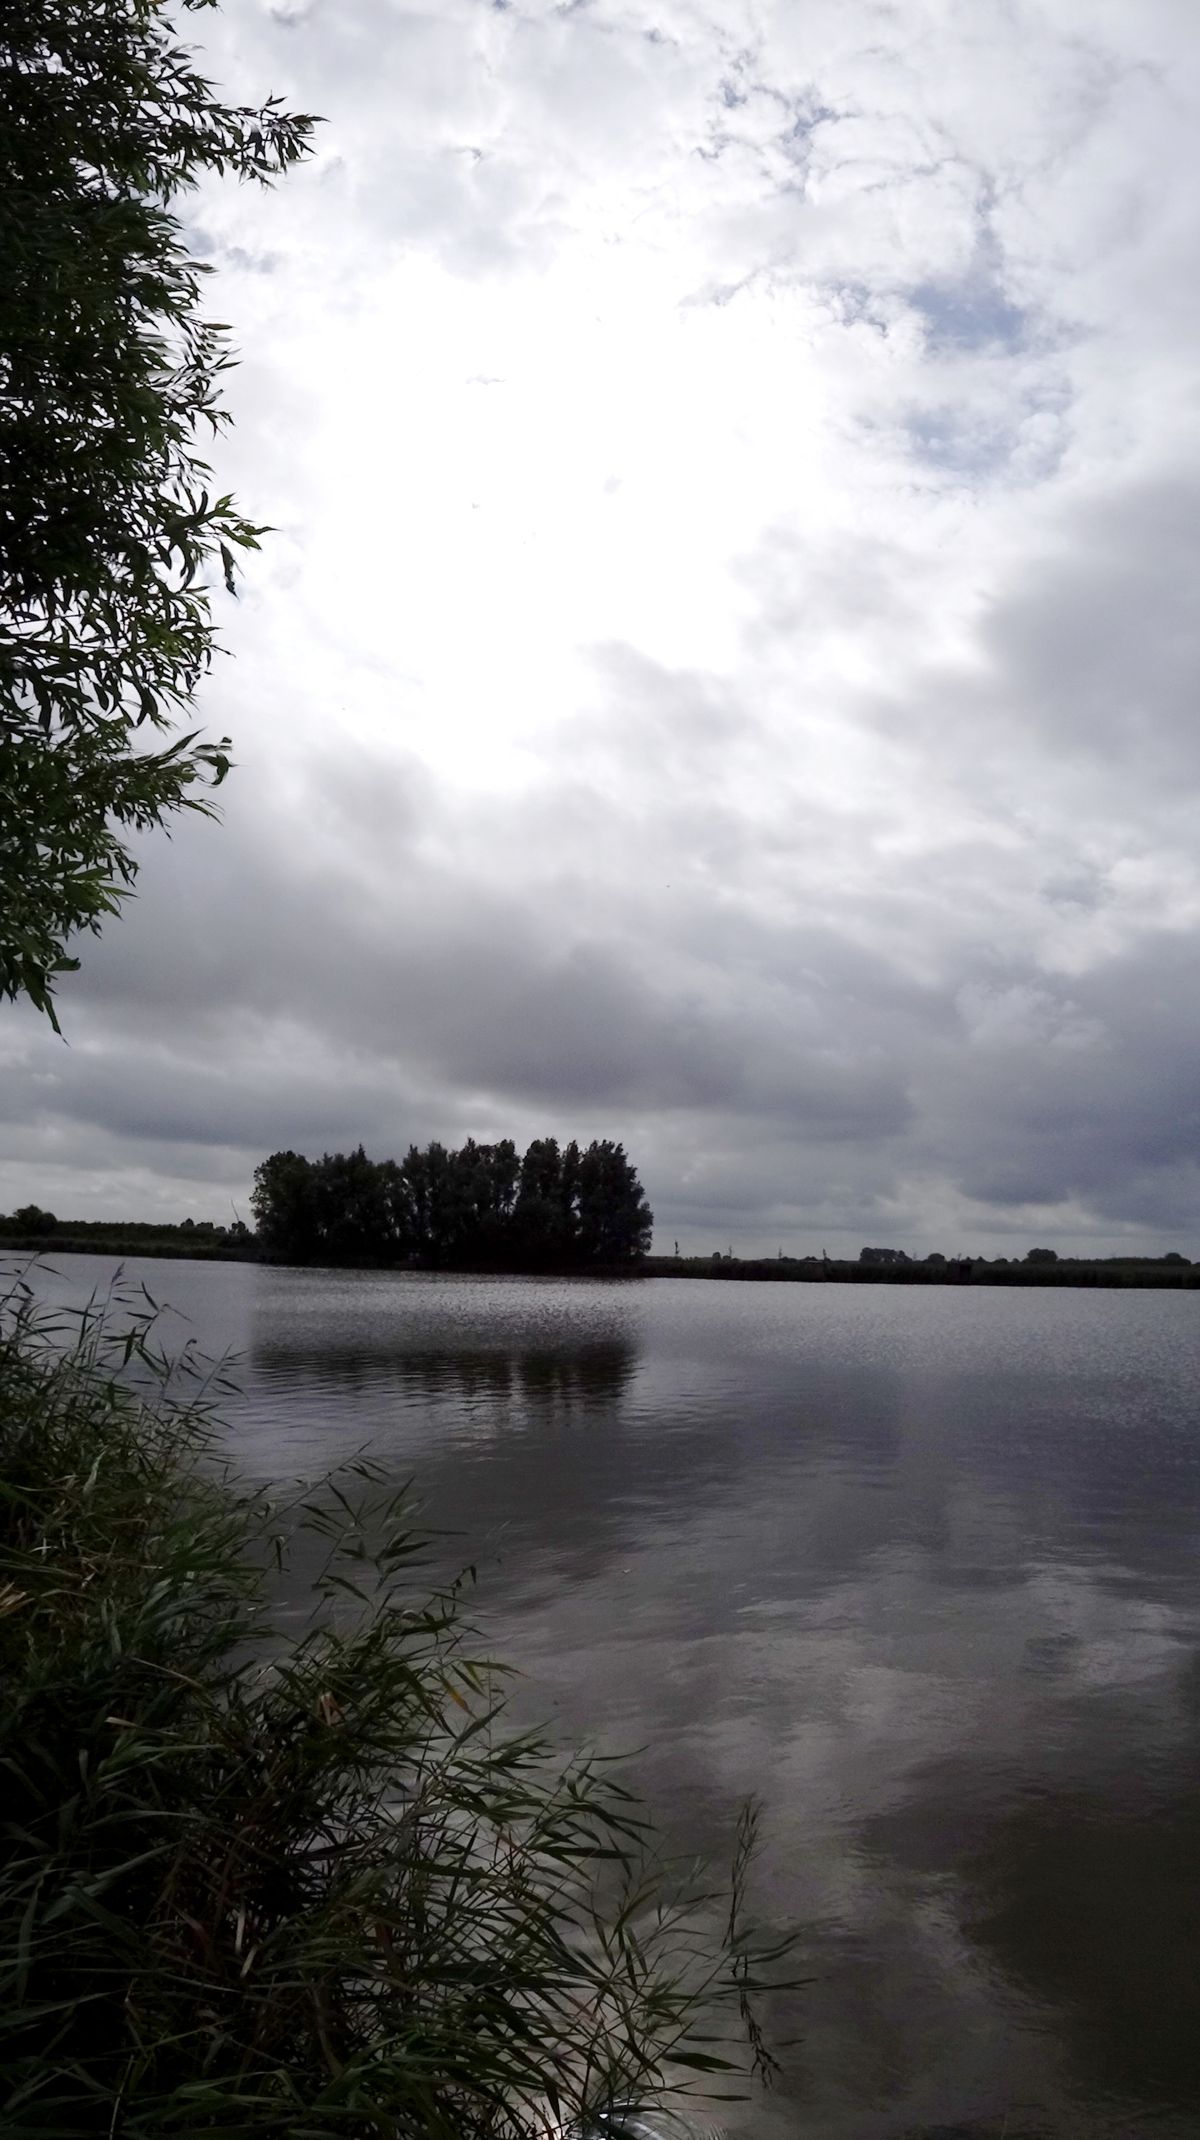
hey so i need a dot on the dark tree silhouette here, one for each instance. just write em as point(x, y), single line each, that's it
point(31, 1219)
point(439, 1209)
point(284, 1204)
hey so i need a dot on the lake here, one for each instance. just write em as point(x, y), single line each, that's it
point(917, 1566)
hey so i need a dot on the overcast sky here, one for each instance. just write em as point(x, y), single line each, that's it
point(725, 673)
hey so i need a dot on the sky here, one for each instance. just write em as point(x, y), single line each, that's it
point(723, 675)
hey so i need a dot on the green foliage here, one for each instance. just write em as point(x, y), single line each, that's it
point(440, 1209)
point(110, 523)
point(251, 1885)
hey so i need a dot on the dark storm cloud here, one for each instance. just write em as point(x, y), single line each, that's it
point(1096, 1096)
point(1099, 642)
point(382, 956)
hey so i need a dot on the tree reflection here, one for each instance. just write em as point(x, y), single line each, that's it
point(590, 1376)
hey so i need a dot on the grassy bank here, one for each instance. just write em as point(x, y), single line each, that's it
point(304, 1886)
point(129, 1237)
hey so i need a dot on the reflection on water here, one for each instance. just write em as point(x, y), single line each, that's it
point(506, 1386)
point(920, 1568)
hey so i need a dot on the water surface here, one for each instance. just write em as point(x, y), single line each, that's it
point(917, 1566)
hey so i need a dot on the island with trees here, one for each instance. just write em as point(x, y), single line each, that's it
point(478, 1208)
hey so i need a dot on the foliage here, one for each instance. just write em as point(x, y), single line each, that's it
point(299, 1887)
point(481, 1205)
point(109, 519)
point(31, 1219)
point(40, 1231)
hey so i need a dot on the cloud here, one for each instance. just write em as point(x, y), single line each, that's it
point(723, 673)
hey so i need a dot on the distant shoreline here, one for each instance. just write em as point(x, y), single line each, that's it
point(1112, 1273)
point(119, 1246)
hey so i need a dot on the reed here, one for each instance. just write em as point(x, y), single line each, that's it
point(312, 1882)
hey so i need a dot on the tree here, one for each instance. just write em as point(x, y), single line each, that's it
point(110, 523)
point(352, 1209)
point(32, 1219)
point(284, 1204)
point(542, 1222)
point(616, 1223)
point(1042, 1255)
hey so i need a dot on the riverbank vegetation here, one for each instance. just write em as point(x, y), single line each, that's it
point(32, 1231)
point(39, 1233)
point(260, 1882)
point(478, 1208)
point(1170, 1271)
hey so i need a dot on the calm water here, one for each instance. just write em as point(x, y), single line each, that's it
point(919, 1567)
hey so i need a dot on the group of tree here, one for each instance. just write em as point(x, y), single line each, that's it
point(29, 1220)
point(481, 1207)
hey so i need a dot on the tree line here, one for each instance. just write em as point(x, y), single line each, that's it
point(481, 1206)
